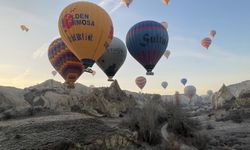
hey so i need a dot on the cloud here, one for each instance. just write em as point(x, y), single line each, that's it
point(110, 5)
point(41, 51)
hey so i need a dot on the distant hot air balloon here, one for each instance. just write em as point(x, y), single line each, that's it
point(65, 62)
point(165, 1)
point(209, 92)
point(24, 28)
point(126, 2)
point(164, 84)
point(165, 24)
point(212, 33)
point(53, 73)
point(141, 82)
point(190, 92)
point(167, 53)
point(146, 42)
point(87, 30)
point(184, 81)
point(111, 61)
point(206, 42)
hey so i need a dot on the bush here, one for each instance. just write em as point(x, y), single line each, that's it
point(146, 121)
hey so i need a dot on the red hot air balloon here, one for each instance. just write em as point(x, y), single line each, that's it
point(65, 62)
point(141, 82)
point(206, 42)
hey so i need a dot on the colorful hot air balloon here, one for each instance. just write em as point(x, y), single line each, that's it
point(167, 53)
point(164, 84)
point(190, 91)
point(53, 73)
point(146, 42)
point(141, 82)
point(184, 81)
point(165, 1)
point(111, 61)
point(206, 42)
point(24, 28)
point(65, 62)
point(212, 33)
point(126, 2)
point(87, 30)
point(165, 24)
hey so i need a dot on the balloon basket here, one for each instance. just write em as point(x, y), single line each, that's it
point(150, 73)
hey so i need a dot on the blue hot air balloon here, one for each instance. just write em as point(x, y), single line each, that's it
point(184, 81)
point(146, 42)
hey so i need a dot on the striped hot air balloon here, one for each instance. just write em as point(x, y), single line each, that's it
point(141, 82)
point(65, 62)
point(146, 42)
point(206, 42)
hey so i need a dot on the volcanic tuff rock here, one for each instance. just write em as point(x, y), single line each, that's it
point(111, 102)
point(223, 98)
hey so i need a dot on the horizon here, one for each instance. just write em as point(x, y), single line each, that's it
point(24, 61)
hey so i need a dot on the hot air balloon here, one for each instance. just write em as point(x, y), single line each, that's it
point(165, 1)
point(206, 42)
point(164, 84)
point(184, 81)
point(167, 53)
point(53, 73)
point(141, 82)
point(87, 30)
point(190, 91)
point(126, 2)
point(165, 24)
point(24, 28)
point(65, 62)
point(212, 33)
point(146, 42)
point(209, 92)
point(111, 61)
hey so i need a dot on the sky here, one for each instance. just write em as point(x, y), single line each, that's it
point(24, 61)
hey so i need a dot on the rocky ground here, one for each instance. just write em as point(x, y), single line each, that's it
point(69, 131)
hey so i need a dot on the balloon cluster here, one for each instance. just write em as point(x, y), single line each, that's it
point(87, 37)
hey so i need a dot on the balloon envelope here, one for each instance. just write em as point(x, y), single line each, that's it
point(209, 92)
point(87, 30)
point(164, 84)
point(146, 42)
point(114, 57)
point(126, 2)
point(167, 53)
point(65, 62)
point(165, 1)
point(212, 33)
point(206, 42)
point(24, 28)
point(53, 73)
point(184, 81)
point(190, 91)
point(141, 82)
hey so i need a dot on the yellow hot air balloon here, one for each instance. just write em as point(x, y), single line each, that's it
point(87, 30)
point(165, 1)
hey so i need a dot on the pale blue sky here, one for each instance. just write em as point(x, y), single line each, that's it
point(24, 62)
